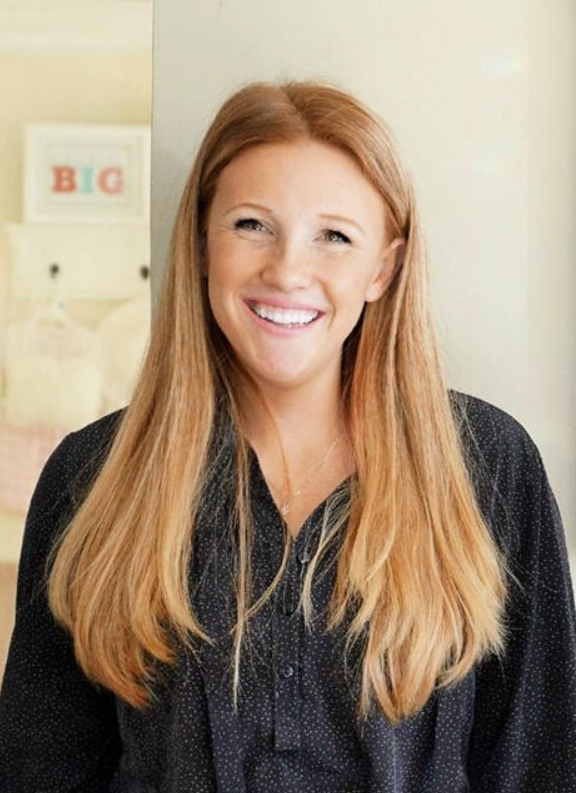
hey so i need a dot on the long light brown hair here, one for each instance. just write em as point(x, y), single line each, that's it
point(417, 567)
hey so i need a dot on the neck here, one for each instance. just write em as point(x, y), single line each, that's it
point(308, 418)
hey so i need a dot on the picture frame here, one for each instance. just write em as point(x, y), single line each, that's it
point(87, 173)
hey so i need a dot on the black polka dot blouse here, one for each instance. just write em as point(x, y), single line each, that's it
point(508, 727)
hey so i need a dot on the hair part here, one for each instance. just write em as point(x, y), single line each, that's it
point(417, 568)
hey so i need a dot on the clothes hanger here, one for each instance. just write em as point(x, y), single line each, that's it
point(54, 315)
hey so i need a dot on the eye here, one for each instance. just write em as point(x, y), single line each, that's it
point(250, 224)
point(336, 236)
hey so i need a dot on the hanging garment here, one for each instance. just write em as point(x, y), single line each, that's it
point(23, 453)
point(51, 386)
point(123, 337)
point(51, 374)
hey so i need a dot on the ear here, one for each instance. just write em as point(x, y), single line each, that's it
point(391, 261)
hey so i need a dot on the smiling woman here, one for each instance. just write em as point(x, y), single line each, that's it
point(296, 561)
point(284, 258)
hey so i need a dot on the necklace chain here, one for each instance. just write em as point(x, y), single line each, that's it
point(286, 500)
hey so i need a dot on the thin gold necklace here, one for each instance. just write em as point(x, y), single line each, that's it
point(286, 500)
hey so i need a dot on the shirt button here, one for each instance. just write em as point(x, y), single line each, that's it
point(286, 670)
point(304, 555)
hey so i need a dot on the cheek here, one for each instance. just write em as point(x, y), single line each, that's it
point(349, 291)
point(230, 263)
point(215, 254)
point(221, 270)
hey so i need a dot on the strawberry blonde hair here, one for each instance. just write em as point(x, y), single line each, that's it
point(417, 567)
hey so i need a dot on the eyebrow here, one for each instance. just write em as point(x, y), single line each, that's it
point(262, 208)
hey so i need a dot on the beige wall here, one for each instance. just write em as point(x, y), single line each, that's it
point(58, 88)
point(481, 98)
point(90, 88)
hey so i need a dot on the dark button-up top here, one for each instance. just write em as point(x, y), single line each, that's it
point(508, 727)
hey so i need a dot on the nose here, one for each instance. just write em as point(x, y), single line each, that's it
point(287, 266)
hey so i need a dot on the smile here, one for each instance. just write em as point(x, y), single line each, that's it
point(288, 318)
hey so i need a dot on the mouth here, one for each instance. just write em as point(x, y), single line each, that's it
point(282, 317)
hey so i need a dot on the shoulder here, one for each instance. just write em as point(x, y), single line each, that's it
point(60, 487)
point(96, 436)
point(491, 434)
point(73, 464)
point(98, 433)
point(86, 450)
point(503, 461)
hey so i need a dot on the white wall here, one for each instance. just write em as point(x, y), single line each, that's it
point(481, 98)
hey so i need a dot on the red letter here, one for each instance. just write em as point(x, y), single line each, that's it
point(64, 181)
point(110, 180)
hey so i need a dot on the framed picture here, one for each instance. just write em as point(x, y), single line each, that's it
point(86, 173)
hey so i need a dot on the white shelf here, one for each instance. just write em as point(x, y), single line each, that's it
point(95, 262)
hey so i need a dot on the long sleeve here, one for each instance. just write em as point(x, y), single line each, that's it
point(524, 731)
point(58, 731)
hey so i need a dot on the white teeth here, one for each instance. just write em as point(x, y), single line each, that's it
point(284, 316)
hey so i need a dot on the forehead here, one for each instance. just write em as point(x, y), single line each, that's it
point(305, 173)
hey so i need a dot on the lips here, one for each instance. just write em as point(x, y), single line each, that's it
point(274, 302)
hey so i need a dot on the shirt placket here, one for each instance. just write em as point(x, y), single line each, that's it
point(288, 664)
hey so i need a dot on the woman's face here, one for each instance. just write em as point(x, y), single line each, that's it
point(295, 247)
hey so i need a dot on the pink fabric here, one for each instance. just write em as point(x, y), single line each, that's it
point(23, 452)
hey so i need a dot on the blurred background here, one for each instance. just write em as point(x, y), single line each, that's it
point(75, 115)
point(480, 95)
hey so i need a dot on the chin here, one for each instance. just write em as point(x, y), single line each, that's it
point(278, 378)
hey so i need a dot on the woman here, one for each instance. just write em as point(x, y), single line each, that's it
point(296, 561)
